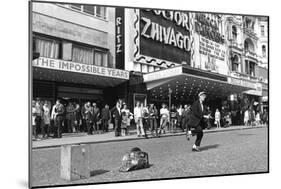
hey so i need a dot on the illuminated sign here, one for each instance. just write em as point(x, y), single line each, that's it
point(165, 35)
point(209, 46)
point(63, 65)
point(209, 26)
point(119, 41)
point(211, 49)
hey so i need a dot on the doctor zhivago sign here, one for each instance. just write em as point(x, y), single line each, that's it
point(164, 36)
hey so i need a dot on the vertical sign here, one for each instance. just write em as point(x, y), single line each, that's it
point(119, 38)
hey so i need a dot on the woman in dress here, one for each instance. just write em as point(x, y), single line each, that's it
point(218, 118)
point(46, 119)
point(246, 117)
point(127, 115)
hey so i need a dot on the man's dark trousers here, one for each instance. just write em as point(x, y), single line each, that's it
point(58, 124)
point(198, 131)
point(117, 127)
point(89, 126)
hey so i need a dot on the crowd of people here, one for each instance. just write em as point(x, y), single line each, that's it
point(52, 121)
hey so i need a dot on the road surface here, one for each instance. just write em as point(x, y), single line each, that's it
point(230, 152)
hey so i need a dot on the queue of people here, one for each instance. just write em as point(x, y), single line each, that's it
point(252, 118)
point(52, 121)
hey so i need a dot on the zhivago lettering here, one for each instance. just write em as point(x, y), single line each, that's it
point(168, 35)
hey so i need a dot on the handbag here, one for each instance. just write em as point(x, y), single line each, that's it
point(134, 160)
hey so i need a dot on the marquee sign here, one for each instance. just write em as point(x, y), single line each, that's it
point(209, 46)
point(209, 26)
point(162, 37)
point(63, 65)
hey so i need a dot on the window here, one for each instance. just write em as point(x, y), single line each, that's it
point(246, 46)
point(235, 63)
point(97, 11)
point(76, 7)
point(247, 71)
point(262, 30)
point(252, 69)
point(89, 9)
point(47, 47)
point(263, 51)
point(234, 33)
point(82, 55)
point(101, 12)
point(101, 58)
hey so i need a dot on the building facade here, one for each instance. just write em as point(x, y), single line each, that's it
point(103, 54)
point(181, 53)
point(77, 55)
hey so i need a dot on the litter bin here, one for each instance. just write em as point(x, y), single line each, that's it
point(75, 162)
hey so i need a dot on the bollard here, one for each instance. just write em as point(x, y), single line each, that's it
point(75, 162)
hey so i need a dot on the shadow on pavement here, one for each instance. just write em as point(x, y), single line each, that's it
point(209, 147)
point(98, 172)
point(133, 170)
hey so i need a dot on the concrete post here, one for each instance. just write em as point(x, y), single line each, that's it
point(75, 162)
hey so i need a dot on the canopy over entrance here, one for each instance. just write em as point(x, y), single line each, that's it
point(186, 83)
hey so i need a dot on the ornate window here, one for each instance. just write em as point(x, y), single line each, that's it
point(264, 51)
point(234, 33)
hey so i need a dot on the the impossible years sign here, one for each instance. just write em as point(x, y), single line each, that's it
point(63, 65)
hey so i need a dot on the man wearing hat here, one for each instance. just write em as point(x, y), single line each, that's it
point(95, 117)
point(196, 121)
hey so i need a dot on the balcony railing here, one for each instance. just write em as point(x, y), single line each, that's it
point(234, 44)
point(243, 76)
point(251, 55)
point(250, 31)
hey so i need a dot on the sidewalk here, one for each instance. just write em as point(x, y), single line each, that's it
point(78, 138)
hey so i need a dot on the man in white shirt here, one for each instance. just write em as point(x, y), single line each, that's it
point(164, 113)
point(138, 119)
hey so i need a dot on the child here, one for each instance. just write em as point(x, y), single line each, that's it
point(218, 118)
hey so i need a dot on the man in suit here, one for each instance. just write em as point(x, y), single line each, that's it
point(58, 116)
point(105, 118)
point(116, 114)
point(87, 113)
point(196, 121)
point(96, 117)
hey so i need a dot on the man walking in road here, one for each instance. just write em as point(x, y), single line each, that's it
point(196, 121)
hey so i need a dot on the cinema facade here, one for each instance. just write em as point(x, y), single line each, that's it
point(181, 53)
point(101, 54)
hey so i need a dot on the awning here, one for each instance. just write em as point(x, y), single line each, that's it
point(72, 72)
point(186, 82)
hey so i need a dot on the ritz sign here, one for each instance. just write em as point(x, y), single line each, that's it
point(118, 35)
point(119, 40)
